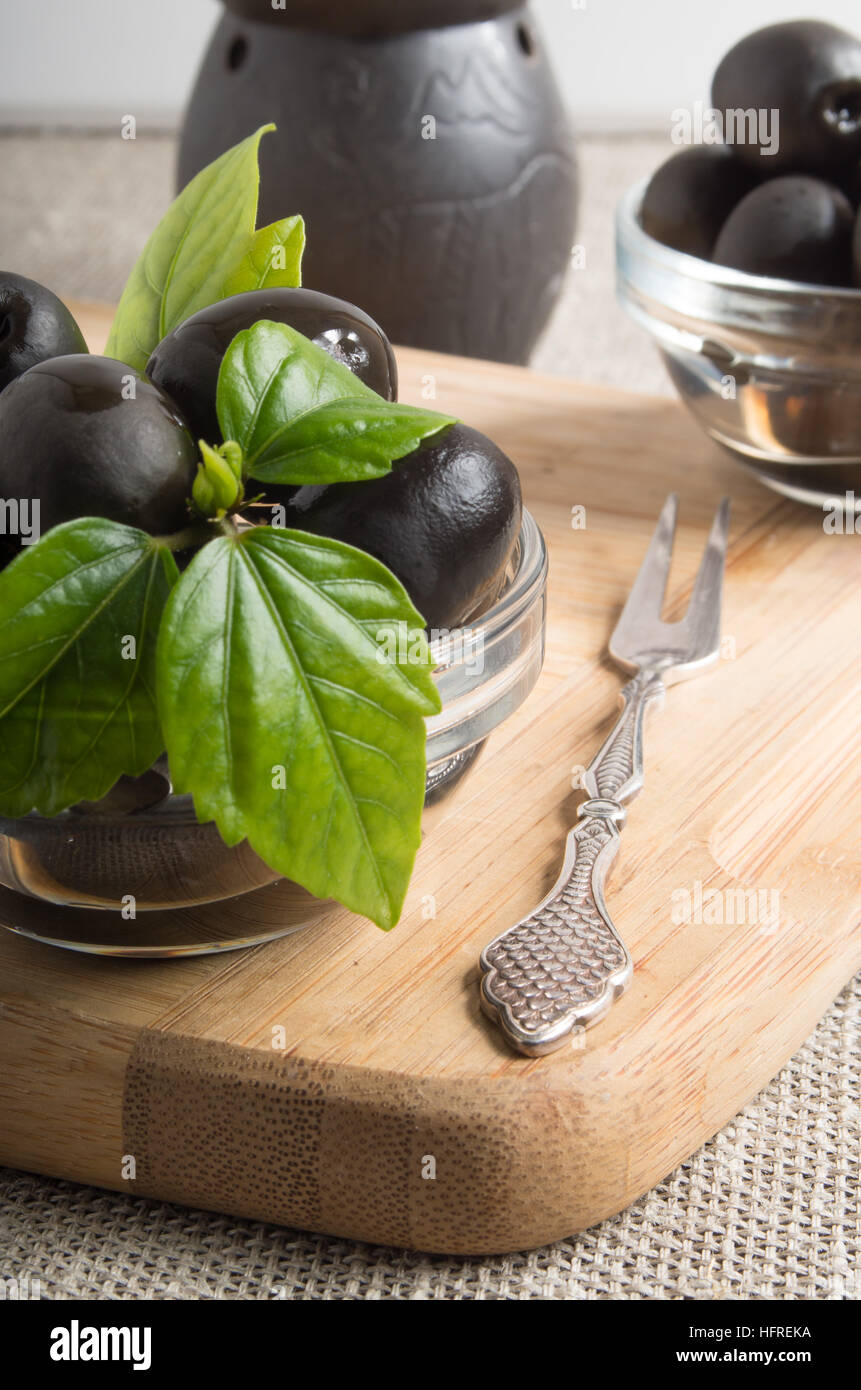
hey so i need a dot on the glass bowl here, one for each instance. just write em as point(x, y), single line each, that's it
point(770, 369)
point(66, 879)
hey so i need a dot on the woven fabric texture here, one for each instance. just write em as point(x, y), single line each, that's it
point(769, 1209)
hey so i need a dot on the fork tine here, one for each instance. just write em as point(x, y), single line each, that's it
point(646, 598)
point(702, 621)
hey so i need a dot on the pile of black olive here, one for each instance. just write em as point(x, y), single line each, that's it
point(88, 436)
point(783, 198)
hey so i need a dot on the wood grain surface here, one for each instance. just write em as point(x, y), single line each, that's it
point(344, 1080)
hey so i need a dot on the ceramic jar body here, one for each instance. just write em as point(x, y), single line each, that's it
point(434, 168)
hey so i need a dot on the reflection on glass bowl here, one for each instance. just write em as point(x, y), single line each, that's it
point(770, 369)
point(67, 878)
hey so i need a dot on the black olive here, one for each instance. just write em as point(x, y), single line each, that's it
point(856, 251)
point(691, 195)
point(88, 436)
point(34, 325)
point(445, 521)
point(185, 364)
point(849, 181)
point(793, 228)
point(810, 73)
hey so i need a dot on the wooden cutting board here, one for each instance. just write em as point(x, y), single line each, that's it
point(396, 1113)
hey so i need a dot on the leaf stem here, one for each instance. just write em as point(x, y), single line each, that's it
point(197, 534)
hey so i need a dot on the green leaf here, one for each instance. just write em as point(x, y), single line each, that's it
point(307, 735)
point(272, 259)
point(79, 616)
point(301, 417)
point(195, 249)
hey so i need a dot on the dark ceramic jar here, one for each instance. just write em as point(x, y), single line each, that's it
point(424, 143)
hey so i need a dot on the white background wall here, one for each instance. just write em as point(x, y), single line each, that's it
point(623, 64)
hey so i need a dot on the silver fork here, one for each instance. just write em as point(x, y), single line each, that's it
point(561, 968)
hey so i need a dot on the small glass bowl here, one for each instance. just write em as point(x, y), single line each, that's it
point(67, 878)
point(770, 369)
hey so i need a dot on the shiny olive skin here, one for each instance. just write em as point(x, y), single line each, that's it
point(185, 364)
point(444, 520)
point(70, 438)
point(691, 195)
point(810, 72)
point(34, 326)
point(791, 228)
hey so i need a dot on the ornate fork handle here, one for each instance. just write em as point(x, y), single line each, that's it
point(616, 771)
point(560, 968)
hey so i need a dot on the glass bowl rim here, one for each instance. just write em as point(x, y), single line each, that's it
point(458, 645)
point(631, 236)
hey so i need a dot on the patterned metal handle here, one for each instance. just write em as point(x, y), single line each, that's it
point(616, 771)
point(561, 968)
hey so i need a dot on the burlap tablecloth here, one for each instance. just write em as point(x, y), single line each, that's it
point(769, 1209)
